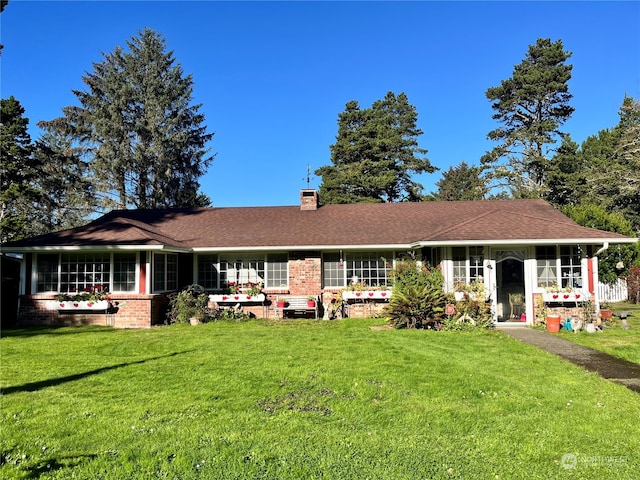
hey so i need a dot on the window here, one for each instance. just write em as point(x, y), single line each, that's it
point(333, 270)
point(78, 272)
point(570, 266)
point(81, 271)
point(241, 268)
point(561, 266)
point(371, 268)
point(47, 273)
point(124, 272)
point(165, 272)
point(277, 270)
point(468, 263)
point(546, 259)
point(208, 271)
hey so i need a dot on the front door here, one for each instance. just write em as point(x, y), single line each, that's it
point(510, 295)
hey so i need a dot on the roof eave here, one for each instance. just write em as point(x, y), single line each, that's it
point(95, 248)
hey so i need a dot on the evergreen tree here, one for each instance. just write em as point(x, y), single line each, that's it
point(462, 182)
point(67, 192)
point(376, 151)
point(17, 172)
point(145, 140)
point(531, 106)
point(628, 150)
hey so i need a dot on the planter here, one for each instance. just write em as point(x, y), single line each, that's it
point(311, 303)
point(559, 297)
point(606, 314)
point(281, 304)
point(73, 305)
point(237, 298)
point(553, 323)
point(366, 294)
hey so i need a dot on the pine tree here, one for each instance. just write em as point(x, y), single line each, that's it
point(531, 106)
point(17, 171)
point(136, 122)
point(462, 182)
point(375, 153)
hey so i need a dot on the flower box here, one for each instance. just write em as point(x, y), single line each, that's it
point(565, 297)
point(237, 298)
point(78, 305)
point(366, 294)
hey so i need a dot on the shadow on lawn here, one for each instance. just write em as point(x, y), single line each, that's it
point(35, 386)
point(36, 330)
point(35, 468)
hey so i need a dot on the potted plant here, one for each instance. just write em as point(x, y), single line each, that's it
point(281, 302)
point(189, 306)
point(605, 312)
point(311, 301)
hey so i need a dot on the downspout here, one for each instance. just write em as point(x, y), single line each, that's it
point(604, 247)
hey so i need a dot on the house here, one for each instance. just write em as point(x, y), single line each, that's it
point(139, 256)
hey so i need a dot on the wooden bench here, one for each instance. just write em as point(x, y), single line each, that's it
point(299, 306)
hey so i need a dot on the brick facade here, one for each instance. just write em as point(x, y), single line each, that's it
point(128, 311)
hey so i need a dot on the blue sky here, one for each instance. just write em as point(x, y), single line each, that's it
point(272, 77)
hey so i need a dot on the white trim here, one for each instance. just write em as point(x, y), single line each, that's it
point(97, 248)
point(524, 242)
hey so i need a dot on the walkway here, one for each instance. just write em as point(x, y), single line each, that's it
point(612, 368)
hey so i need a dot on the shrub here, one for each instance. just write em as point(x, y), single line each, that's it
point(469, 315)
point(418, 299)
point(192, 302)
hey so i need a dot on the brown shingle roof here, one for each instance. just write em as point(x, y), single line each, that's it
point(488, 221)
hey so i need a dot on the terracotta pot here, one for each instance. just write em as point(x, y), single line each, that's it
point(553, 323)
point(606, 314)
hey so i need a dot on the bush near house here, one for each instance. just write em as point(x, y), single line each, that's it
point(418, 299)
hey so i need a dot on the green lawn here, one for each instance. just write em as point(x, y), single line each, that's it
point(304, 399)
point(613, 340)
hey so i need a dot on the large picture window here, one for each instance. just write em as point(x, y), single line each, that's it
point(79, 272)
point(215, 272)
point(372, 268)
point(560, 266)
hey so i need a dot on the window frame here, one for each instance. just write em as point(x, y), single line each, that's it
point(111, 272)
point(463, 269)
point(563, 270)
point(339, 269)
point(230, 267)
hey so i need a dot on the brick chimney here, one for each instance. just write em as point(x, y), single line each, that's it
point(308, 199)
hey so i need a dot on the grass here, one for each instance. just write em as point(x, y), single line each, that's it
point(304, 399)
point(613, 340)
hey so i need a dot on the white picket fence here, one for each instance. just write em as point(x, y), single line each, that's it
point(616, 292)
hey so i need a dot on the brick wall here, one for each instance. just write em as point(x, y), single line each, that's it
point(129, 311)
point(305, 273)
